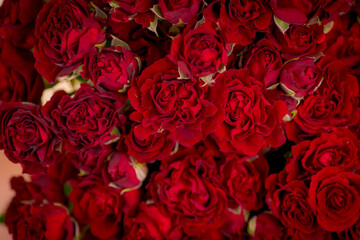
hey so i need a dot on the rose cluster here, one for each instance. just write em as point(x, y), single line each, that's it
point(191, 119)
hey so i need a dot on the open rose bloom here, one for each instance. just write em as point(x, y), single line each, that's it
point(191, 119)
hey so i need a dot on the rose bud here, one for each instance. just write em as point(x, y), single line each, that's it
point(300, 77)
point(176, 11)
point(112, 69)
point(19, 80)
point(266, 226)
point(124, 172)
point(334, 196)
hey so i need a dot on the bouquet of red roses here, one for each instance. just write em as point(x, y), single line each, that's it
point(182, 119)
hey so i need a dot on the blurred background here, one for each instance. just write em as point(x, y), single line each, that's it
point(7, 170)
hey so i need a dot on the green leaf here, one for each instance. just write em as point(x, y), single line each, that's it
point(153, 25)
point(208, 80)
point(328, 27)
point(314, 20)
point(182, 75)
point(67, 189)
point(156, 10)
point(252, 226)
point(2, 217)
point(98, 12)
point(283, 26)
point(118, 42)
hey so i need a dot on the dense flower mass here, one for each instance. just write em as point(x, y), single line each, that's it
point(182, 119)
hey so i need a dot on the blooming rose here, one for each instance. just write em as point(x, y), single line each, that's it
point(187, 187)
point(243, 180)
point(145, 149)
point(65, 33)
point(174, 11)
point(264, 62)
point(297, 41)
point(300, 77)
point(288, 202)
point(29, 221)
point(112, 69)
point(199, 51)
point(242, 19)
point(334, 104)
point(251, 122)
point(294, 11)
point(151, 222)
point(101, 207)
point(334, 196)
point(335, 149)
point(86, 123)
point(17, 21)
point(163, 101)
point(19, 80)
point(26, 137)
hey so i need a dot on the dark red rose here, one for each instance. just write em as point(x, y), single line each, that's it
point(87, 123)
point(332, 9)
point(19, 80)
point(199, 51)
point(123, 172)
point(343, 42)
point(48, 221)
point(146, 149)
point(264, 62)
point(65, 34)
point(251, 122)
point(266, 226)
point(26, 137)
point(298, 41)
point(300, 77)
point(295, 11)
point(336, 149)
point(17, 21)
point(334, 104)
point(174, 11)
point(164, 102)
point(102, 207)
point(288, 202)
point(334, 196)
point(243, 179)
point(187, 187)
point(112, 69)
point(151, 222)
point(234, 224)
point(242, 19)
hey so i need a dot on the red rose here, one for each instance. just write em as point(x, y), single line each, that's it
point(187, 187)
point(19, 80)
point(241, 20)
point(26, 137)
point(174, 11)
point(295, 11)
point(151, 222)
point(351, 233)
point(288, 202)
point(86, 123)
point(267, 226)
point(336, 149)
point(164, 102)
point(17, 21)
point(334, 196)
point(148, 148)
point(300, 77)
point(264, 63)
point(251, 122)
point(34, 222)
point(199, 51)
point(61, 49)
point(243, 180)
point(112, 69)
point(234, 225)
point(102, 207)
point(298, 41)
